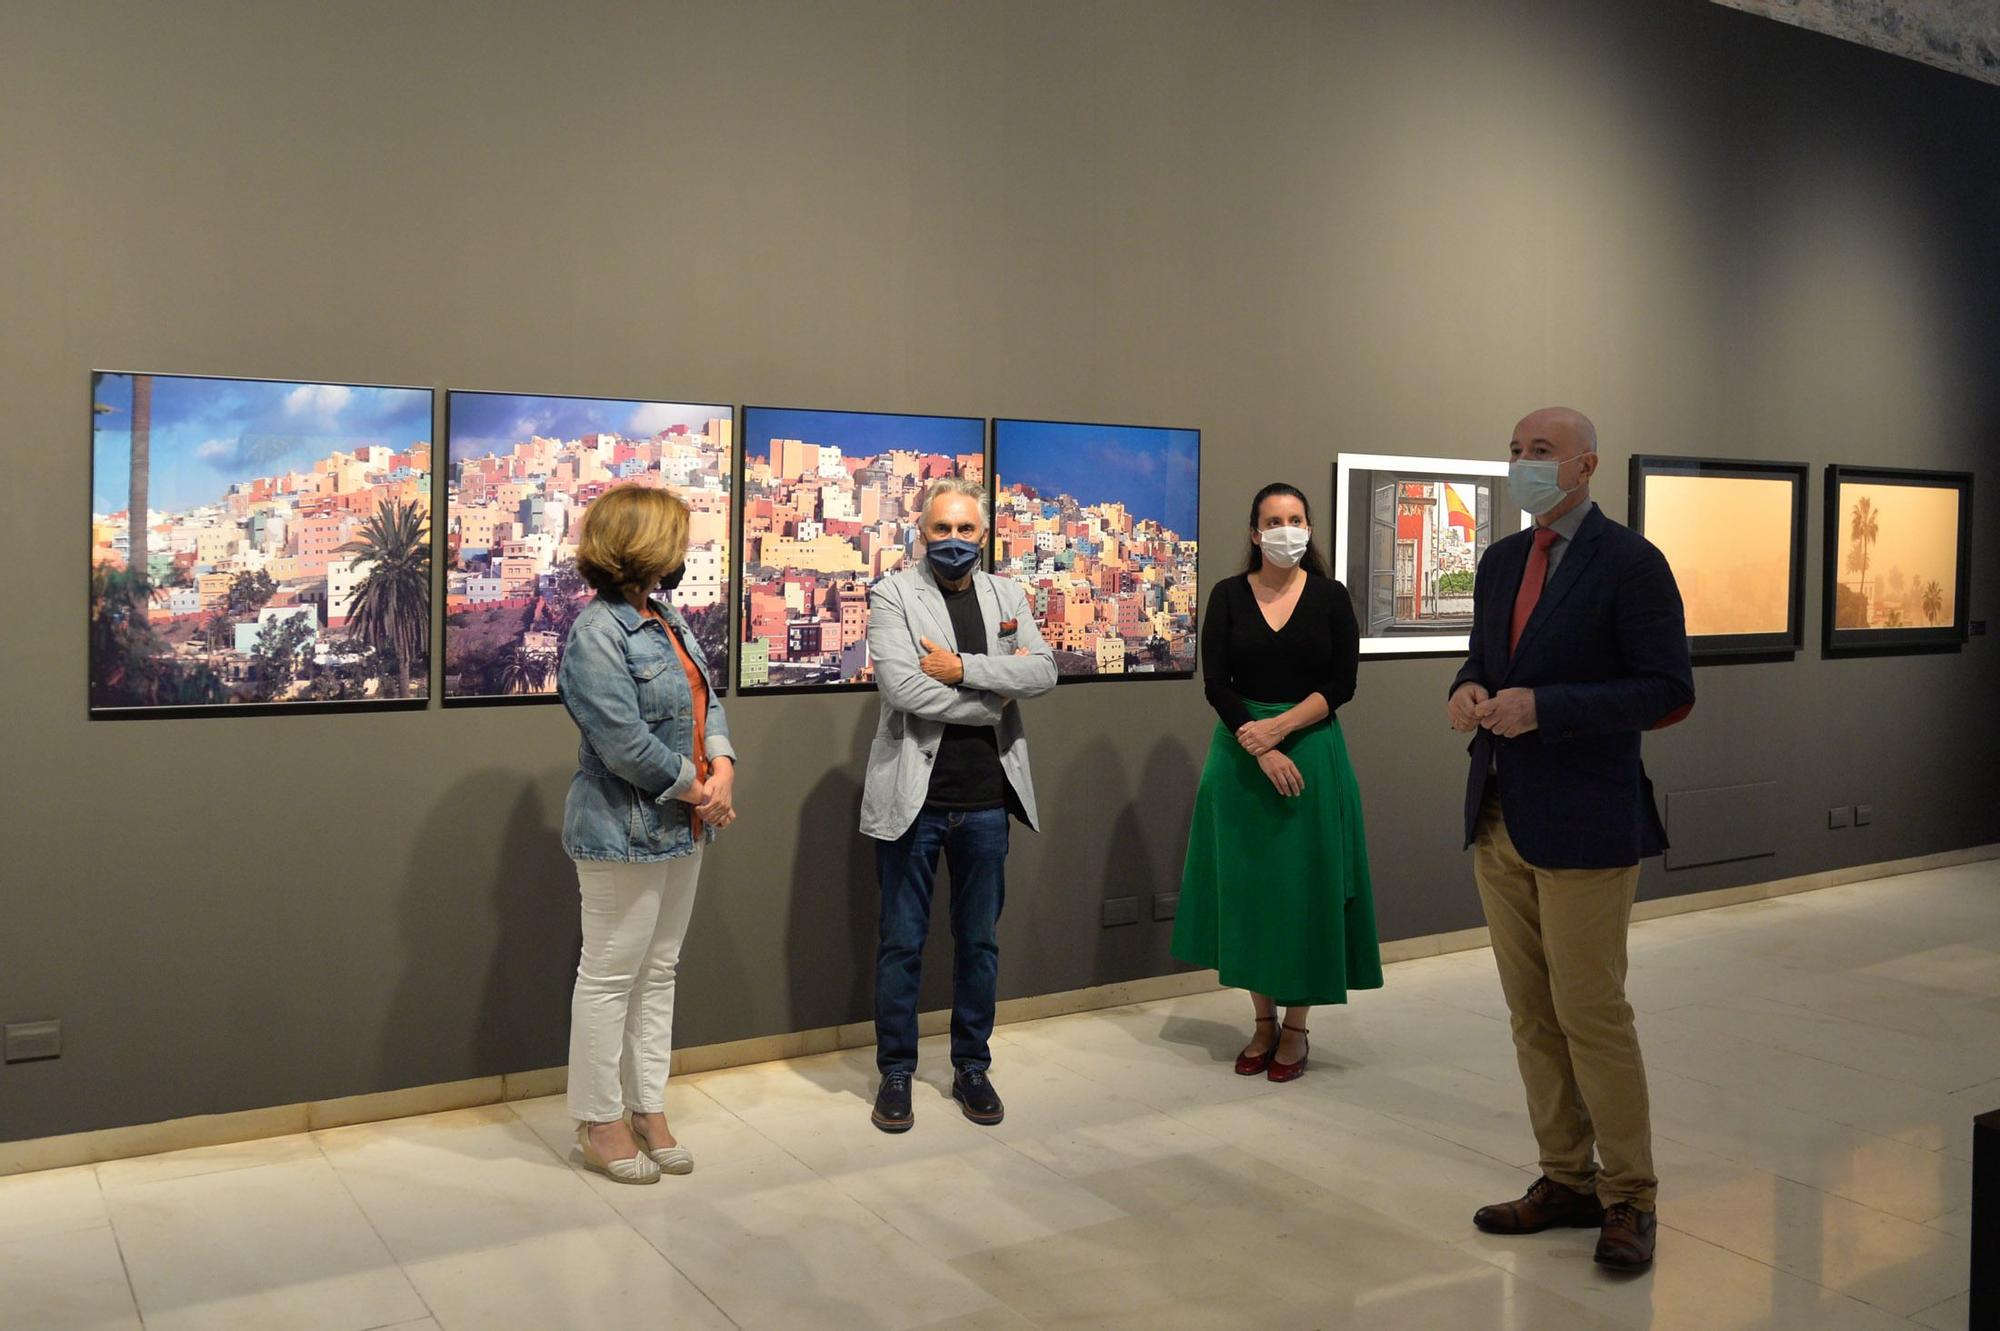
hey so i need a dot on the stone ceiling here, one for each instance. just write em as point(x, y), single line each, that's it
point(1962, 36)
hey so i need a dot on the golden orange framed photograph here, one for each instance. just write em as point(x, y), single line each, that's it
point(1898, 560)
point(1734, 533)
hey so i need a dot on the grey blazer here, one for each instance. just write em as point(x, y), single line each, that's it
point(904, 608)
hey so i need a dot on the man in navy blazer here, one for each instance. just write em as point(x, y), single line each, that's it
point(1579, 646)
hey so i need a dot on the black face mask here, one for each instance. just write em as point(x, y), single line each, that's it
point(673, 580)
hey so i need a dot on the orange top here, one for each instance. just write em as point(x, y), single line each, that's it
point(697, 687)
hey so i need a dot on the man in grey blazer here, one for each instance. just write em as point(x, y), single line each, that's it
point(954, 649)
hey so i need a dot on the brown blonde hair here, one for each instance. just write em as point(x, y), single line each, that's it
point(633, 536)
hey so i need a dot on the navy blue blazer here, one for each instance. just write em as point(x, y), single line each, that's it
point(1606, 653)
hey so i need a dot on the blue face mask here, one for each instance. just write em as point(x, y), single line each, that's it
point(952, 558)
point(1537, 486)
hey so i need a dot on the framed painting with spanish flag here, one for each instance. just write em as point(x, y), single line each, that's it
point(1408, 536)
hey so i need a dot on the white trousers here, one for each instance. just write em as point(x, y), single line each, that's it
point(621, 1017)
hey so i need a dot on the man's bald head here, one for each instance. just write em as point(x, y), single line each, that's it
point(1563, 431)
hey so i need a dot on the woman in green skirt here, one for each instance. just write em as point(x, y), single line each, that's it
point(1275, 892)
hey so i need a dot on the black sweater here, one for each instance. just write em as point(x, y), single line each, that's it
point(1317, 651)
point(967, 773)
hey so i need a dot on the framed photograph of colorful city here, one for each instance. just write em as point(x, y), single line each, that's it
point(1898, 561)
point(1408, 536)
point(281, 560)
point(1734, 533)
point(1098, 524)
point(829, 506)
point(523, 469)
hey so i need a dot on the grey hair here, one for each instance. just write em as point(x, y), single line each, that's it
point(954, 485)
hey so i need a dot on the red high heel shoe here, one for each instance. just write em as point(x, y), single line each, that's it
point(1290, 1071)
point(1249, 1065)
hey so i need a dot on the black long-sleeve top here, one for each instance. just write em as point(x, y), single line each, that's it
point(1317, 651)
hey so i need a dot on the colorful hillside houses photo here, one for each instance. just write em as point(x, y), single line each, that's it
point(523, 470)
point(831, 501)
point(1098, 524)
point(258, 542)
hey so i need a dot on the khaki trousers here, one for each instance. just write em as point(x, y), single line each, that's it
point(1559, 942)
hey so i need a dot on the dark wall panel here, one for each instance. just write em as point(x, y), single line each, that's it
point(1303, 227)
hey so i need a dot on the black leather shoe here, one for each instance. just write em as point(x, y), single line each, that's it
point(976, 1096)
point(892, 1104)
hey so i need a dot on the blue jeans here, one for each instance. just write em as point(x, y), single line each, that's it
point(975, 847)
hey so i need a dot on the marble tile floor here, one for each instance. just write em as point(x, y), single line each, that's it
point(1816, 1062)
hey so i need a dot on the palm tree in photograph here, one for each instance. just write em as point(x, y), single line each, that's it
point(523, 671)
point(137, 557)
point(1864, 528)
point(562, 601)
point(1933, 600)
point(391, 607)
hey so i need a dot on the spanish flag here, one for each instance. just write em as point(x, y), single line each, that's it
point(1456, 513)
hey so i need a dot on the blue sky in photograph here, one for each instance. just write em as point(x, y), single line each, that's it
point(861, 433)
point(209, 434)
point(482, 424)
point(1154, 473)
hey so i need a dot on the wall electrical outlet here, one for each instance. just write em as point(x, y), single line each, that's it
point(28, 1041)
point(1165, 905)
point(1836, 817)
point(1864, 814)
point(1121, 910)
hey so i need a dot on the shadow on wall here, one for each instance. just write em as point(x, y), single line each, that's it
point(1126, 840)
point(507, 902)
point(830, 919)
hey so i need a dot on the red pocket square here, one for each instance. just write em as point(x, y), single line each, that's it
point(1010, 626)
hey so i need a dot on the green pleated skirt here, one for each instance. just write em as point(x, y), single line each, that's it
point(1275, 892)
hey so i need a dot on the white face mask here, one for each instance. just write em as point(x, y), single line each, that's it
point(1285, 546)
point(1537, 485)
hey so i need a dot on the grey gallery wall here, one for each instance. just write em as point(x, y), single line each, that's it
point(1301, 227)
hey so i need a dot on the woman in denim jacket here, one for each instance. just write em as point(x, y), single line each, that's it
point(655, 779)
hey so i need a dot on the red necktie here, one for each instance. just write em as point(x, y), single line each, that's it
point(1532, 579)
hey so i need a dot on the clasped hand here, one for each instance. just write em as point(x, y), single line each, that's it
point(714, 800)
point(1284, 774)
point(1508, 713)
point(1260, 737)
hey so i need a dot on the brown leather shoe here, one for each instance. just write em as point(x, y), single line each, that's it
point(1627, 1241)
point(1548, 1205)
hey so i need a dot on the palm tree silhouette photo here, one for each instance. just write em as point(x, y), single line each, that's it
point(1864, 529)
point(390, 609)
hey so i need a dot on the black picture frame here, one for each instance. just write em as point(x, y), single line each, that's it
point(1895, 640)
point(1713, 647)
point(740, 565)
point(722, 671)
point(96, 710)
point(993, 561)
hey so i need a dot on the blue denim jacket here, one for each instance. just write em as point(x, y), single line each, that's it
point(626, 691)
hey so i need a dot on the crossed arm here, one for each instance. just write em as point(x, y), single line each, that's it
point(900, 676)
point(1028, 673)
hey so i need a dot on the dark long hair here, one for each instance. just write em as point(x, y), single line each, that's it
point(1311, 563)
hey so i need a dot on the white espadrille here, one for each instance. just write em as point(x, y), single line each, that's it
point(635, 1169)
point(670, 1159)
